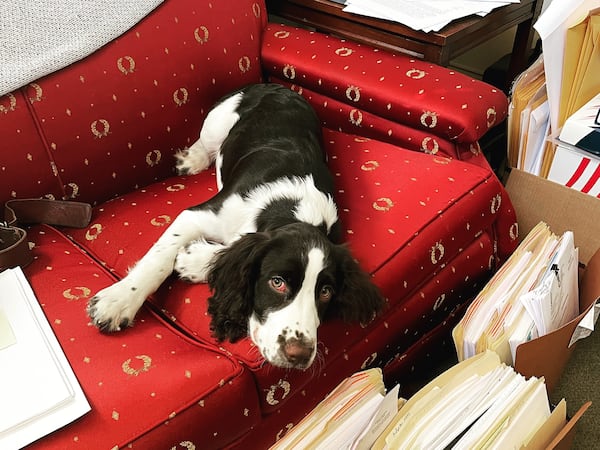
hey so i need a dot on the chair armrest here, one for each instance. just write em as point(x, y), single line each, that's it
point(397, 88)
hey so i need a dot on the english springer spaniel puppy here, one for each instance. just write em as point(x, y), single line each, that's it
point(267, 243)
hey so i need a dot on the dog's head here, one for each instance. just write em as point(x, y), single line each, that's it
point(277, 287)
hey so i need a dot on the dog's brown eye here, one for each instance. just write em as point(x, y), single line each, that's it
point(278, 284)
point(326, 293)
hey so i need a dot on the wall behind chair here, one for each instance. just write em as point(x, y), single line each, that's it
point(475, 61)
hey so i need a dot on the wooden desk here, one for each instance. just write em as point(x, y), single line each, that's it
point(438, 47)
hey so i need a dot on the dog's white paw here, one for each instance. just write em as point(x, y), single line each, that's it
point(193, 261)
point(114, 307)
point(192, 160)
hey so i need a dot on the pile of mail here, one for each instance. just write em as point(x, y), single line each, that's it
point(553, 124)
point(353, 415)
point(424, 15)
point(534, 293)
point(478, 403)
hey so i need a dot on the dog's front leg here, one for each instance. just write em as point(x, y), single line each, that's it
point(115, 307)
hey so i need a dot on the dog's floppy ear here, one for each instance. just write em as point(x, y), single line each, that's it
point(231, 278)
point(358, 299)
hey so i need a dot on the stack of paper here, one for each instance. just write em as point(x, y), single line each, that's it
point(38, 390)
point(479, 403)
point(534, 292)
point(542, 103)
point(351, 416)
point(529, 120)
point(424, 15)
point(581, 63)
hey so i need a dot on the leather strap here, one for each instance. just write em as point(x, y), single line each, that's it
point(14, 248)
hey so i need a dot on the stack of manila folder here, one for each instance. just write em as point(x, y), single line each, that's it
point(478, 403)
point(561, 82)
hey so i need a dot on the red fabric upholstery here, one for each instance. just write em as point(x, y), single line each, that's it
point(420, 207)
point(22, 148)
point(141, 98)
point(418, 94)
point(141, 382)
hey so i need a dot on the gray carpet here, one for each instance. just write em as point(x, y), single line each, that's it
point(579, 383)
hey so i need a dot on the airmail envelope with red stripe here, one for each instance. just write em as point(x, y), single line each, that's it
point(577, 169)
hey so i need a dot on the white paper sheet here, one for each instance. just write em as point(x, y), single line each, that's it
point(38, 388)
point(552, 27)
point(586, 325)
point(555, 299)
point(380, 420)
point(425, 15)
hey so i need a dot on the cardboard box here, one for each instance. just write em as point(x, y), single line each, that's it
point(536, 199)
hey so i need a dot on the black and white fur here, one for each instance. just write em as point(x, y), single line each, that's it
point(266, 242)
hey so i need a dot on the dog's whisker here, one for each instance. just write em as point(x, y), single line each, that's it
point(318, 364)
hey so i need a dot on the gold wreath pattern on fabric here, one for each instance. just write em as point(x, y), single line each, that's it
point(181, 96)
point(437, 252)
point(201, 34)
point(153, 158)
point(188, 445)
point(126, 65)
point(283, 386)
point(11, 103)
point(161, 221)
point(37, 93)
point(77, 293)
point(383, 204)
point(369, 166)
point(93, 232)
point(100, 128)
point(129, 368)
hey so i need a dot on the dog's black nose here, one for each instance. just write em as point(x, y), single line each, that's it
point(297, 352)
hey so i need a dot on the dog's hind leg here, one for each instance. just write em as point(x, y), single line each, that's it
point(115, 307)
point(194, 159)
point(215, 129)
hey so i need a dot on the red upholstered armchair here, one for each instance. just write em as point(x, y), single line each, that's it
point(421, 211)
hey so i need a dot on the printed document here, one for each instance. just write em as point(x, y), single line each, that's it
point(425, 15)
point(534, 293)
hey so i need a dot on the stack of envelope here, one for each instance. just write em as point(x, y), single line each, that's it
point(477, 403)
point(528, 120)
point(534, 293)
point(560, 93)
point(353, 415)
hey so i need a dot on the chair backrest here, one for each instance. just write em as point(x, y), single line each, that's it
point(112, 122)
